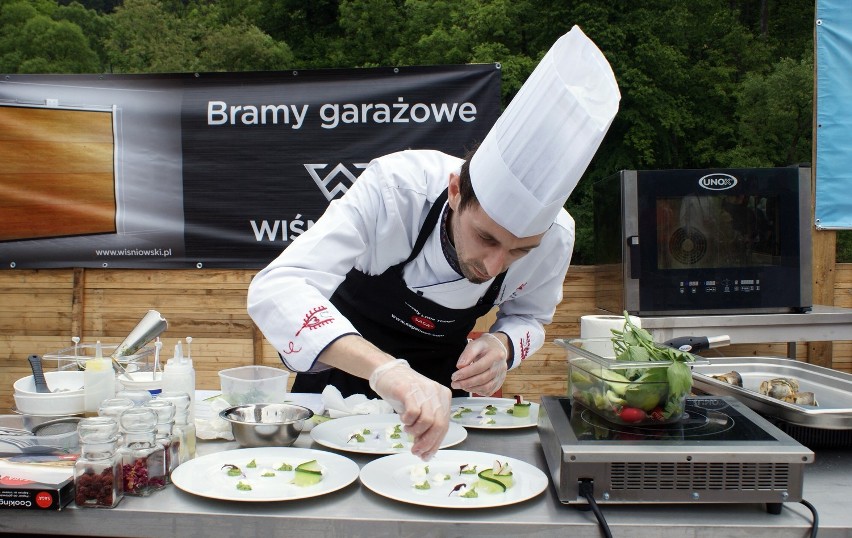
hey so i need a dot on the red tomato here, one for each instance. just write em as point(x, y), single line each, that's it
point(632, 414)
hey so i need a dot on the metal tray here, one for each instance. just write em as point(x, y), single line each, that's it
point(833, 389)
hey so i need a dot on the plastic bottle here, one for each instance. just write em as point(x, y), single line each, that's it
point(98, 381)
point(179, 376)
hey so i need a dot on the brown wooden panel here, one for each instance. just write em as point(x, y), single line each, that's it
point(57, 177)
point(55, 125)
point(182, 279)
point(209, 305)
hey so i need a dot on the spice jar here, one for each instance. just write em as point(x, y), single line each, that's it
point(97, 471)
point(137, 396)
point(184, 427)
point(113, 408)
point(143, 459)
point(170, 442)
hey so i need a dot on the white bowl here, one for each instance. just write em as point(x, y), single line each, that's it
point(150, 381)
point(53, 403)
point(63, 381)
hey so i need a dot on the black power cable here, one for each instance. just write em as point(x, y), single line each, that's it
point(587, 490)
point(815, 525)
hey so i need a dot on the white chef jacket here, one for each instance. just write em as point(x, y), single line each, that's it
point(373, 227)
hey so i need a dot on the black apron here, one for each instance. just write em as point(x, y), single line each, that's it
point(402, 322)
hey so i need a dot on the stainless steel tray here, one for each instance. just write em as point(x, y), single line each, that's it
point(832, 388)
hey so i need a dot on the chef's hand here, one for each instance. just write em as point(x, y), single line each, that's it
point(482, 366)
point(423, 405)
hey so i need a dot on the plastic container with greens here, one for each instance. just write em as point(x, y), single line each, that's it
point(644, 383)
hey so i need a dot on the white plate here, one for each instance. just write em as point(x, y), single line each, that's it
point(336, 433)
point(204, 475)
point(391, 477)
point(502, 419)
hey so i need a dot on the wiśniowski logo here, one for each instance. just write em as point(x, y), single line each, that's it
point(717, 182)
point(332, 185)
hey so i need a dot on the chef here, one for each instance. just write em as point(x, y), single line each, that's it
point(379, 296)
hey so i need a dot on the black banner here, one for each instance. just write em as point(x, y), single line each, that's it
point(215, 169)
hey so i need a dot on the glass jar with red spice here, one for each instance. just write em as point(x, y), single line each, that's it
point(183, 427)
point(113, 408)
point(165, 436)
point(97, 471)
point(143, 459)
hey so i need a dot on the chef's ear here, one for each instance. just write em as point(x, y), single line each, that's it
point(453, 192)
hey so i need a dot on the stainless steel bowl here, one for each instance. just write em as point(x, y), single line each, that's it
point(266, 424)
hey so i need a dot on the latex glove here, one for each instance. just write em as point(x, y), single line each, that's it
point(482, 366)
point(423, 404)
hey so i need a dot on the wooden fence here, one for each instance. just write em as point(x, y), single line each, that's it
point(41, 310)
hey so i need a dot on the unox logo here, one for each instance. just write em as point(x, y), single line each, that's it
point(717, 182)
point(337, 181)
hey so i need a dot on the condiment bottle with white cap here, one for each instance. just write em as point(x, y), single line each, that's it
point(179, 376)
point(98, 381)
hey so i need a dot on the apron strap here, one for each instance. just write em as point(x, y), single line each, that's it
point(432, 217)
point(428, 226)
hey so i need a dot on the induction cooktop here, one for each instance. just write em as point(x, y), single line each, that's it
point(720, 452)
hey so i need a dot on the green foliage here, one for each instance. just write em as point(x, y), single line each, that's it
point(844, 246)
point(774, 116)
point(147, 37)
point(239, 46)
point(195, 37)
point(705, 83)
point(33, 42)
point(648, 387)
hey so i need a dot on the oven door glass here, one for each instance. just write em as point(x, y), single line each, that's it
point(733, 246)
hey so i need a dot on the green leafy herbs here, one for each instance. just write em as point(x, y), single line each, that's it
point(655, 390)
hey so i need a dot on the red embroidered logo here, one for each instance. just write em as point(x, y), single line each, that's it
point(292, 348)
point(316, 318)
point(517, 290)
point(423, 323)
point(525, 345)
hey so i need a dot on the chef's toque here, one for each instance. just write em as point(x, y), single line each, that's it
point(539, 148)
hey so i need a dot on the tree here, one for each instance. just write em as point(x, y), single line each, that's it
point(310, 27)
point(240, 46)
point(148, 37)
point(774, 117)
point(32, 42)
point(94, 26)
point(704, 83)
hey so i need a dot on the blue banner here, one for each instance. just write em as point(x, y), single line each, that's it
point(833, 139)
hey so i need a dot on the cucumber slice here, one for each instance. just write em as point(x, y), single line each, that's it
point(489, 486)
point(312, 466)
point(521, 410)
point(495, 483)
point(308, 473)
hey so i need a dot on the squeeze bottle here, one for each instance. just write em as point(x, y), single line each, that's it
point(98, 381)
point(179, 376)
